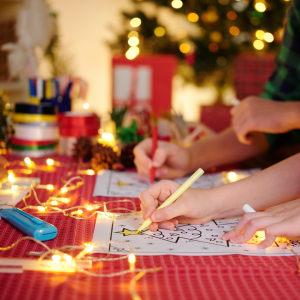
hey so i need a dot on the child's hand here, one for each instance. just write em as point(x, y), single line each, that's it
point(193, 206)
point(170, 160)
point(279, 221)
point(255, 114)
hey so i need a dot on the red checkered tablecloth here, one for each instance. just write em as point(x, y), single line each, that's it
point(182, 277)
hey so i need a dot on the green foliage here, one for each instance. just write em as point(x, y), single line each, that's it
point(129, 134)
point(201, 65)
point(117, 115)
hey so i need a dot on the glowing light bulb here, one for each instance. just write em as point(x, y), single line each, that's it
point(67, 258)
point(50, 162)
point(54, 202)
point(27, 160)
point(232, 176)
point(63, 190)
point(56, 258)
point(90, 172)
point(268, 37)
point(41, 208)
point(159, 31)
point(89, 248)
point(131, 258)
point(49, 187)
point(79, 211)
point(133, 41)
point(107, 136)
point(258, 45)
point(135, 22)
point(176, 4)
point(11, 177)
point(90, 207)
point(65, 200)
point(86, 105)
point(14, 187)
point(260, 7)
point(184, 48)
point(260, 34)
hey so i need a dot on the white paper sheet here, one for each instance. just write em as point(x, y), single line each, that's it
point(126, 184)
point(184, 240)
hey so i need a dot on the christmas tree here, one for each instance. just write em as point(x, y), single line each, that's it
point(208, 35)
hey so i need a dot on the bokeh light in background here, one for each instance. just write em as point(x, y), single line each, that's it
point(260, 34)
point(213, 47)
point(231, 15)
point(133, 34)
point(159, 31)
point(234, 30)
point(192, 17)
point(184, 48)
point(268, 37)
point(176, 4)
point(135, 22)
point(133, 41)
point(259, 6)
point(258, 45)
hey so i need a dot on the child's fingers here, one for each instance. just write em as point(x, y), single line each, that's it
point(169, 225)
point(254, 225)
point(246, 218)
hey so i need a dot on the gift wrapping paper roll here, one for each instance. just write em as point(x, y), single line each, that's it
point(33, 153)
point(41, 109)
point(88, 131)
point(36, 132)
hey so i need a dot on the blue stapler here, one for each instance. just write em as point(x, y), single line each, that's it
point(29, 224)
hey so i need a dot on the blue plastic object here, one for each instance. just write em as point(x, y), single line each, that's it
point(29, 224)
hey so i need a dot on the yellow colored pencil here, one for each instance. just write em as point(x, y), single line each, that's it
point(174, 196)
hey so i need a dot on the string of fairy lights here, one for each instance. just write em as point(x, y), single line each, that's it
point(60, 258)
point(259, 39)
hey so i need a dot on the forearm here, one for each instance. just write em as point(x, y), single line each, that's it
point(292, 116)
point(225, 149)
point(270, 187)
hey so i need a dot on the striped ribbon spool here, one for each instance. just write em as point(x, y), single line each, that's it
point(35, 132)
point(33, 153)
point(32, 148)
point(28, 118)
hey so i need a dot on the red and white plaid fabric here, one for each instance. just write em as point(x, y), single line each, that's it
point(182, 277)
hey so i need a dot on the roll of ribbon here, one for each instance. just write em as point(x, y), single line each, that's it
point(31, 132)
point(78, 119)
point(77, 131)
point(41, 109)
point(34, 153)
point(30, 143)
point(30, 148)
point(33, 118)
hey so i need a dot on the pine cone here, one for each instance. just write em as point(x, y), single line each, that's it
point(103, 157)
point(127, 156)
point(82, 149)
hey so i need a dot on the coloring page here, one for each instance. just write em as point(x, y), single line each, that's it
point(126, 184)
point(185, 239)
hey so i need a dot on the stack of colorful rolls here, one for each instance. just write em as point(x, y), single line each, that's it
point(74, 125)
point(36, 130)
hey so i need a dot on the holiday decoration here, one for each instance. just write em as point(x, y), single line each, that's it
point(82, 149)
point(207, 35)
point(5, 129)
point(103, 157)
point(127, 156)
